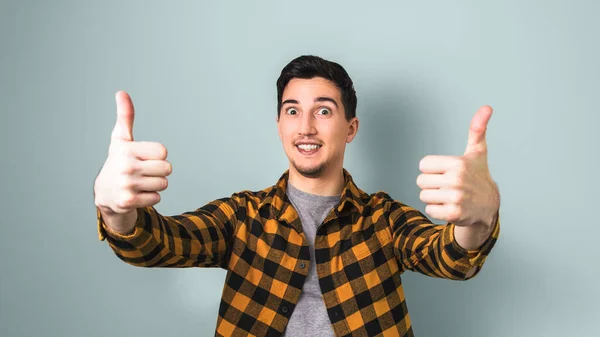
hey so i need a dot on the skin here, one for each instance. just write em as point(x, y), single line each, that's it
point(457, 189)
point(312, 111)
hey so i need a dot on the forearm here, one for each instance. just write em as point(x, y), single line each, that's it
point(433, 249)
point(192, 239)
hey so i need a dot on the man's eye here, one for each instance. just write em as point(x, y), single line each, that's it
point(291, 111)
point(324, 111)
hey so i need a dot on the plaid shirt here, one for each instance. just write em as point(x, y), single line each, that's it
point(362, 247)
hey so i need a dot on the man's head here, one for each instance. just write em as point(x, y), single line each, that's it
point(316, 114)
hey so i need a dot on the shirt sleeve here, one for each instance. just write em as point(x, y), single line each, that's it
point(200, 238)
point(431, 249)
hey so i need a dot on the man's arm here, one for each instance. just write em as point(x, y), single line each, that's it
point(431, 249)
point(125, 192)
point(461, 191)
point(201, 238)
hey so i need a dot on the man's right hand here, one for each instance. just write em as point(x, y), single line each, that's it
point(132, 175)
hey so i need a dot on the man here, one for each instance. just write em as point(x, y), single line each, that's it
point(312, 255)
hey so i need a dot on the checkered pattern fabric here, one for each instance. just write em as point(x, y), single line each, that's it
point(362, 247)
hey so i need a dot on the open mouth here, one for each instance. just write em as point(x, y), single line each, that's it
point(308, 149)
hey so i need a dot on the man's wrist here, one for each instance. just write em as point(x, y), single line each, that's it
point(472, 237)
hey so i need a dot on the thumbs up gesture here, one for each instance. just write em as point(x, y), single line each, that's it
point(134, 172)
point(460, 189)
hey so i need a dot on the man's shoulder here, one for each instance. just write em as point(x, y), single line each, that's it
point(251, 197)
point(381, 200)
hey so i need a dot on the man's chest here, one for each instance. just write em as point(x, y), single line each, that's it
point(342, 245)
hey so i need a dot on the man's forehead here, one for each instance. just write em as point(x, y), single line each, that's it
point(316, 87)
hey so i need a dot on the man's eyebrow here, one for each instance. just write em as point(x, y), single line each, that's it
point(327, 99)
point(289, 101)
point(318, 99)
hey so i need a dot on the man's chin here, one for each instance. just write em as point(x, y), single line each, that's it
point(310, 172)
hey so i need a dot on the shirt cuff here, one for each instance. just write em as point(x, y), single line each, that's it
point(467, 259)
point(104, 230)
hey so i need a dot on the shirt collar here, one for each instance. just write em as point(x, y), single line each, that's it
point(277, 198)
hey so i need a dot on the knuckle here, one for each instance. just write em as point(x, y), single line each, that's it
point(125, 182)
point(126, 201)
point(116, 208)
point(420, 180)
point(458, 197)
point(125, 166)
point(424, 161)
point(162, 184)
point(161, 151)
point(455, 213)
point(128, 168)
point(152, 199)
point(428, 209)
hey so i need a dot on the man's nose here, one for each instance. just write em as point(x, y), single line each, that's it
point(307, 125)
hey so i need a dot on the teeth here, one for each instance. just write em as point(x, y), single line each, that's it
point(308, 147)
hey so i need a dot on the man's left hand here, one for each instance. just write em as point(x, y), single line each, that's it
point(460, 189)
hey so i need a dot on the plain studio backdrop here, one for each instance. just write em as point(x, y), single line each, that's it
point(202, 77)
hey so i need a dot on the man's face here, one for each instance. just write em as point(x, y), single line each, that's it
point(312, 126)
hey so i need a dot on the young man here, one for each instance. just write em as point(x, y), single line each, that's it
point(312, 255)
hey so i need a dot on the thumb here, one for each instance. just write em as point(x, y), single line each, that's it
point(124, 127)
point(476, 141)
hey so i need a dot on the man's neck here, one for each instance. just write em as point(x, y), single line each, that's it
point(330, 183)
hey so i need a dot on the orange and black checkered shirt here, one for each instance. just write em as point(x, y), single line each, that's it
point(362, 247)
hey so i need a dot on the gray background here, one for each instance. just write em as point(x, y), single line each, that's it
point(202, 77)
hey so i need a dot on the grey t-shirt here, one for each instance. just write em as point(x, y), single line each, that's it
point(310, 315)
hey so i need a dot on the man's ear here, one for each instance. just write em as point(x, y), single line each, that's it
point(278, 132)
point(352, 129)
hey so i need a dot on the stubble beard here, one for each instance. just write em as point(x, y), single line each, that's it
point(310, 172)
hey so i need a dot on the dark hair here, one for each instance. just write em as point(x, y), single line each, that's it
point(309, 66)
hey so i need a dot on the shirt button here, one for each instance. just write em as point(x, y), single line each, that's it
point(284, 309)
point(302, 265)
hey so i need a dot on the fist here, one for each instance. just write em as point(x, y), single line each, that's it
point(460, 189)
point(134, 172)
